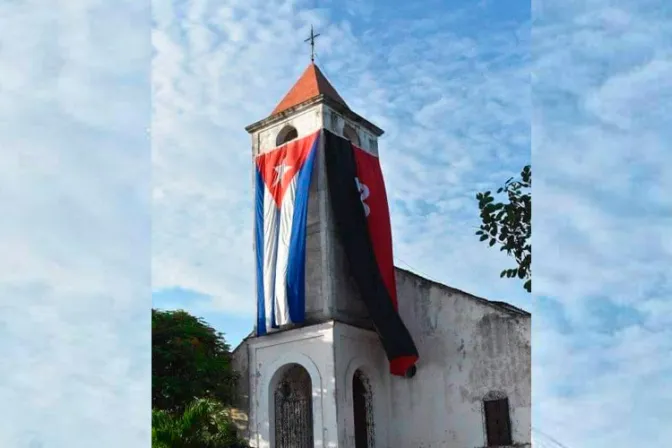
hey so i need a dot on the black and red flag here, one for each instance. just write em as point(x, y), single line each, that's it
point(361, 213)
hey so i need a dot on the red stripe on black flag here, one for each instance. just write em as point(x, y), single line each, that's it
point(354, 233)
point(371, 186)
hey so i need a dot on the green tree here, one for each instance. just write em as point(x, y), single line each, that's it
point(202, 424)
point(189, 360)
point(509, 224)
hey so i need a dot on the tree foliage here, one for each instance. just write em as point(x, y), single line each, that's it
point(202, 424)
point(509, 224)
point(189, 360)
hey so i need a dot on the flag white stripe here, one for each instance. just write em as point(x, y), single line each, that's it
point(284, 235)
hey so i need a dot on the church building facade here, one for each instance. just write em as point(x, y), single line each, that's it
point(324, 375)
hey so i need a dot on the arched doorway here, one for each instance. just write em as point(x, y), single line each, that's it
point(362, 403)
point(293, 409)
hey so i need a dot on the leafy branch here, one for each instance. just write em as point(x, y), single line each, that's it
point(509, 224)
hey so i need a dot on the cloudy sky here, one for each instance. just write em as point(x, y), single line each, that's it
point(125, 178)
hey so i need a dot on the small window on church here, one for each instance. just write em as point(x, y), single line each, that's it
point(350, 134)
point(497, 422)
point(287, 134)
point(334, 121)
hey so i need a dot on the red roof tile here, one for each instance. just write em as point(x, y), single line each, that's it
point(311, 84)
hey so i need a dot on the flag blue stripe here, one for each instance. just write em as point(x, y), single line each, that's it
point(259, 236)
point(297, 244)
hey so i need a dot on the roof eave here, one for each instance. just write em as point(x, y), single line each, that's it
point(319, 99)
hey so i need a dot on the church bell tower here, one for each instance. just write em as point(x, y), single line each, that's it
point(311, 105)
point(322, 382)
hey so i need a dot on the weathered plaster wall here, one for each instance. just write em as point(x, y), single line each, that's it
point(240, 411)
point(468, 347)
point(354, 349)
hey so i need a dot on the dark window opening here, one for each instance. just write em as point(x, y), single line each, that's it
point(286, 135)
point(350, 134)
point(498, 422)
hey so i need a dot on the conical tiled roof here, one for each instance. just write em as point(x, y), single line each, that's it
point(311, 84)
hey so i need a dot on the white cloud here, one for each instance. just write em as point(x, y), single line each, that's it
point(74, 189)
point(601, 222)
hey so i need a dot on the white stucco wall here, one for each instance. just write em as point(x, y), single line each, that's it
point(310, 347)
point(468, 347)
point(306, 122)
point(355, 349)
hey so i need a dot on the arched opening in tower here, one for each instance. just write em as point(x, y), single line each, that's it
point(286, 135)
point(362, 403)
point(294, 409)
point(350, 134)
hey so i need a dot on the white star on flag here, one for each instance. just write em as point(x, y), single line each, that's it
point(281, 169)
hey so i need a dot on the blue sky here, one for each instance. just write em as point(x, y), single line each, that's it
point(103, 177)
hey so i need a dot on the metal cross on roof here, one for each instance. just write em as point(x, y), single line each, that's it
point(311, 39)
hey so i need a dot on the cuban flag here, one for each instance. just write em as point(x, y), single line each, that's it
point(283, 178)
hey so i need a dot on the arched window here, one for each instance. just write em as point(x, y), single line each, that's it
point(294, 409)
point(497, 419)
point(362, 403)
point(286, 134)
point(351, 134)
